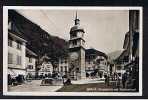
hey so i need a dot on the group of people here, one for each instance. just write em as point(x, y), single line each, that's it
point(116, 81)
point(15, 80)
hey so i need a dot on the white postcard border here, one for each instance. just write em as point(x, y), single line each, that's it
point(5, 52)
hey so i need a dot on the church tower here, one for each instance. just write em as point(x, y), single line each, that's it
point(77, 51)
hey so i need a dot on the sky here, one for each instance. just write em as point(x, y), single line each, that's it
point(104, 29)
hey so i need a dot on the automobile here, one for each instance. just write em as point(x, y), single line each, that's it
point(51, 81)
point(47, 81)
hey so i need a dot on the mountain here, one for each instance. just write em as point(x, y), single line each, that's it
point(115, 54)
point(38, 40)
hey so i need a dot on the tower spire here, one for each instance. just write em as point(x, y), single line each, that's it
point(76, 16)
point(77, 21)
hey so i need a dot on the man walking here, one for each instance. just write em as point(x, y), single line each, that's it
point(124, 78)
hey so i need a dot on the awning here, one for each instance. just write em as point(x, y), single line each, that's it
point(12, 73)
point(16, 72)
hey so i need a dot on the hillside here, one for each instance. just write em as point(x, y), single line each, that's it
point(38, 40)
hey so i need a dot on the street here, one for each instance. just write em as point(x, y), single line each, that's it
point(87, 85)
point(33, 86)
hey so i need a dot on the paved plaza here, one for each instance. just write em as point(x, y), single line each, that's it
point(33, 86)
point(88, 81)
point(85, 85)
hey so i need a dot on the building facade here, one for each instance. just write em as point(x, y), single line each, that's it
point(129, 58)
point(96, 63)
point(63, 68)
point(16, 52)
point(46, 68)
point(31, 59)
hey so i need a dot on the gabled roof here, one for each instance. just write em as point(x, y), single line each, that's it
point(96, 52)
point(126, 41)
point(16, 36)
point(124, 54)
point(14, 30)
point(30, 53)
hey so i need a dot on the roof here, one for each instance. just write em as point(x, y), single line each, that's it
point(79, 38)
point(96, 52)
point(31, 53)
point(16, 35)
point(14, 32)
point(46, 57)
point(124, 54)
point(126, 41)
point(76, 28)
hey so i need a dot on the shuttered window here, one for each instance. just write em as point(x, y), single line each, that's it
point(10, 58)
point(18, 60)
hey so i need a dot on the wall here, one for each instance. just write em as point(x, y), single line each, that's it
point(13, 50)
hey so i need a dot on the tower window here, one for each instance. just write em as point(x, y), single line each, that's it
point(74, 35)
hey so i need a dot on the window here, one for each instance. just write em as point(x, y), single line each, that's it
point(65, 68)
point(89, 62)
point(9, 25)
point(30, 60)
point(61, 68)
point(61, 61)
point(30, 66)
point(74, 35)
point(18, 60)
point(82, 35)
point(118, 67)
point(48, 66)
point(18, 45)
point(10, 58)
point(83, 43)
point(10, 42)
point(74, 42)
point(65, 61)
point(89, 68)
point(94, 62)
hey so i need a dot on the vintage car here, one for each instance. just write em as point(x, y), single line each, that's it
point(51, 81)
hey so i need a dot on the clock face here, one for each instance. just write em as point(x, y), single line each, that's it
point(74, 56)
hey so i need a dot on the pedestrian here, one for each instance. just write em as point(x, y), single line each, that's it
point(9, 79)
point(124, 78)
point(107, 80)
point(118, 82)
point(105, 76)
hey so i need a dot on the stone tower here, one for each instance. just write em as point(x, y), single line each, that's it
point(77, 51)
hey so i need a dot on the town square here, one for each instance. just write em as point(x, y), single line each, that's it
point(73, 50)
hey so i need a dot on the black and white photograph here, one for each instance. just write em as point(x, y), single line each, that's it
point(72, 51)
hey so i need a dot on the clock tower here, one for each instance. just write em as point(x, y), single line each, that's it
point(77, 51)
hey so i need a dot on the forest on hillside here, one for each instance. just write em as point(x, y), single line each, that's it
point(38, 40)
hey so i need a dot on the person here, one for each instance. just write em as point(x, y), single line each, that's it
point(107, 80)
point(118, 82)
point(124, 78)
point(68, 82)
point(9, 79)
point(105, 76)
